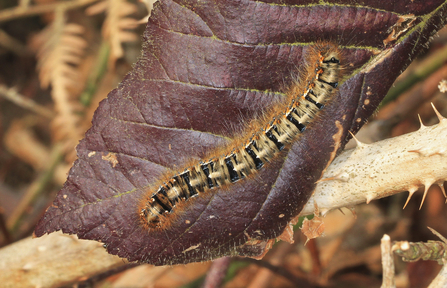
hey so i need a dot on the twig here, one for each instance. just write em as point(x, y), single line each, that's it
point(387, 263)
point(216, 273)
point(315, 255)
point(425, 69)
point(20, 100)
point(26, 11)
point(13, 45)
point(410, 101)
point(415, 251)
point(431, 250)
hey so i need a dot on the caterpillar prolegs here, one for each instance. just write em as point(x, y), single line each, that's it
point(264, 141)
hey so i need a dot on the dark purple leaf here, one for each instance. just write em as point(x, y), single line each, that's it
point(206, 66)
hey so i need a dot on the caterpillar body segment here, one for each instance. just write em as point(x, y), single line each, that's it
point(305, 100)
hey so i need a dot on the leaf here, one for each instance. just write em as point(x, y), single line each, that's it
point(204, 67)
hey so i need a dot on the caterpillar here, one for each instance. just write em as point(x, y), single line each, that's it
point(241, 160)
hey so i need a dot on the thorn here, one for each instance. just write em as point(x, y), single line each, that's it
point(436, 153)
point(440, 117)
point(422, 124)
point(352, 209)
point(427, 152)
point(416, 151)
point(410, 194)
point(369, 198)
point(359, 144)
point(323, 212)
point(408, 200)
point(441, 185)
point(339, 209)
point(344, 177)
point(28, 266)
point(427, 186)
point(438, 234)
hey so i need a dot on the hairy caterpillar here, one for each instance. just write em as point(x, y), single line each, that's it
point(264, 140)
